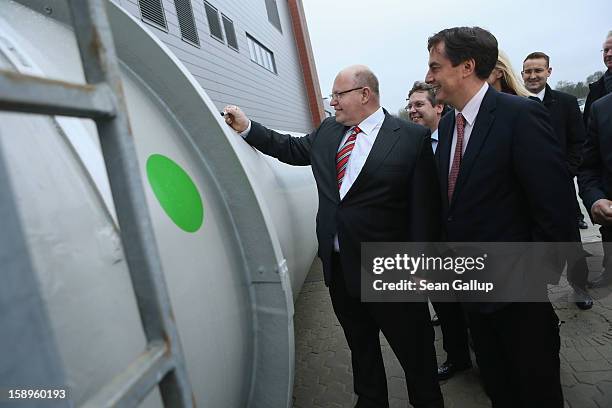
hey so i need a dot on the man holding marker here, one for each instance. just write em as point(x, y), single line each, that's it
point(376, 181)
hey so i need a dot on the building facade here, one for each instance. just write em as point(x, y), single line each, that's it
point(252, 53)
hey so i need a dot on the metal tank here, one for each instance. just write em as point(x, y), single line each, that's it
point(234, 228)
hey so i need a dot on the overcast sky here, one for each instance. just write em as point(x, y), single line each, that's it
point(390, 36)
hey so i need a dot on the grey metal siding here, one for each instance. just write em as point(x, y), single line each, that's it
point(229, 76)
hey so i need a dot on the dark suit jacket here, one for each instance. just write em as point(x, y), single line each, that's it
point(394, 198)
point(595, 177)
point(596, 90)
point(513, 182)
point(567, 124)
point(512, 185)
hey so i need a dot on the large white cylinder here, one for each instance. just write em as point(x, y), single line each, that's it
point(233, 266)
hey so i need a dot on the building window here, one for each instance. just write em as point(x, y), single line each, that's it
point(273, 16)
point(212, 15)
point(152, 12)
point(230, 33)
point(261, 55)
point(186, 21)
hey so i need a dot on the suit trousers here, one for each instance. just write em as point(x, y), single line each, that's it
point(577, 268)
point(579, 214)
point(517, 351)
point(407, 328)
point(454, 333)
point(606, 242)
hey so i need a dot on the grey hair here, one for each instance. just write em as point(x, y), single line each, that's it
point(365, 77)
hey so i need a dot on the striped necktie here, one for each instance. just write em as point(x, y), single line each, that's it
point(454, 172)
point(342, 157)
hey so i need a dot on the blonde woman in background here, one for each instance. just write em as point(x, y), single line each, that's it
point(503, 78)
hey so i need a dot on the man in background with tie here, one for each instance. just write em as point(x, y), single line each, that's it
point(424, 109)
point(503, 179)
point(376, 182)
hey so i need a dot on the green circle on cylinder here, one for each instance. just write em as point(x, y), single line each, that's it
point(176, 192)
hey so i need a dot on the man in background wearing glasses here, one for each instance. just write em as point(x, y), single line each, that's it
point(598, 90)
point(376, 181)
point(603, 86)
point(423, 109)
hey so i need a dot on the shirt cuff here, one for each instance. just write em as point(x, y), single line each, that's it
point(246, 131)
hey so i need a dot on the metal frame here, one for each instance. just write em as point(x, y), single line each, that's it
point(102, 100)
point(27, 335)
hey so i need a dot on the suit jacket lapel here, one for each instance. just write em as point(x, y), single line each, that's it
point(484, 120)
point(385, 140)
point(549, 97)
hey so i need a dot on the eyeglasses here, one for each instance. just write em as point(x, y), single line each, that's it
point(337, 95)
point(417, 105)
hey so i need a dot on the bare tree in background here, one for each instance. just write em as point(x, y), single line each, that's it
point(580, 89)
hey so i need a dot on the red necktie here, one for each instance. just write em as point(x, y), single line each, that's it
point(454, 172)
point(342, 157)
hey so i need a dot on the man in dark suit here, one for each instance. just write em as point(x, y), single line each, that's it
point(595, 178)
point(603, 85)
point(567, 124)
point(503, 179)
point(376, 181)
point(425, 110)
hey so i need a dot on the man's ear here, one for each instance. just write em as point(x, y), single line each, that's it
point(366, 94)
point(468, 67)
point(438, 108)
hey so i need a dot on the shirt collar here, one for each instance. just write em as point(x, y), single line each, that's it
point(434, 135)
point(470, 110)
point(541, 94)
point(368, 124)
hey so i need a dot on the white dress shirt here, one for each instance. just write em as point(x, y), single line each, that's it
point(434, 140)
point(469, 112)
point(370, 127)
point(541, 94)
point(363, 145)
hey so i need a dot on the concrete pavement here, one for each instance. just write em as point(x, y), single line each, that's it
point(323, 371)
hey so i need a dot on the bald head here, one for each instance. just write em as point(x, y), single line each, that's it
point(607, 51)
point(361, 76)
point(355, 94)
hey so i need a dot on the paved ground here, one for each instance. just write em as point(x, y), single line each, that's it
point(323, 371)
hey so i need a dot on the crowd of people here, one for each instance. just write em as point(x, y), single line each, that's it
point(486, 157)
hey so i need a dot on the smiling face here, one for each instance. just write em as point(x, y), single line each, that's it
point(535, 74)
point(421, 110)
point(445, 78)
point(348, 106)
